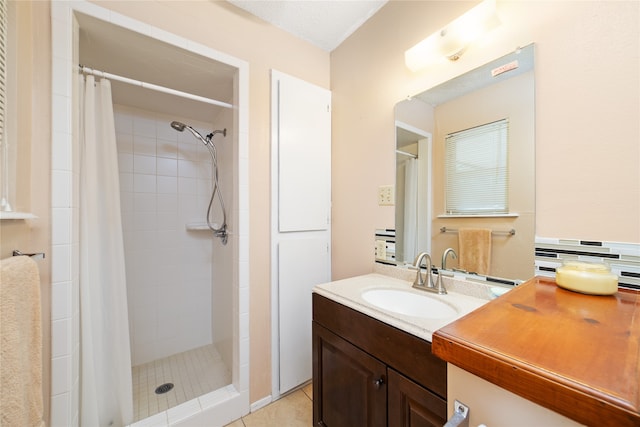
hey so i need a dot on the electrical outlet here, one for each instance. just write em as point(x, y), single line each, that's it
point(386, 196)
point(381, 249)
point(461, 408)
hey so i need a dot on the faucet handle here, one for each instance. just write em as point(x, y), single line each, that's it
point(418, 261)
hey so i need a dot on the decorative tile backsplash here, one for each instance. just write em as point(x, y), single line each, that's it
point(550, 253)
point(622, 258)
point(386, 246)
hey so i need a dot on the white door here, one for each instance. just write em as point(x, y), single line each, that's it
point(301, 220)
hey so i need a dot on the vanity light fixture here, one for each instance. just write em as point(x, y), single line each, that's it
point(451, 41)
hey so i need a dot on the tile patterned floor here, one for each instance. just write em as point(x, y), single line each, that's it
point(193, 373)
point(293, 410)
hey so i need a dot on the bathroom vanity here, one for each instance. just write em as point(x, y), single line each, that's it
point(538, 355)
point(375, 367)
point(367, 372)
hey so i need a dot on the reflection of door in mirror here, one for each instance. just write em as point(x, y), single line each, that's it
point(413, 179)
point(475, 98)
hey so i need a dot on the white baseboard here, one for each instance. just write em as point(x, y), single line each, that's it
point(260, 403)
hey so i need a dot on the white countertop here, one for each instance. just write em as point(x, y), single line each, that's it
point(462, 295)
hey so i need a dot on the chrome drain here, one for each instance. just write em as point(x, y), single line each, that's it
point(164, 388)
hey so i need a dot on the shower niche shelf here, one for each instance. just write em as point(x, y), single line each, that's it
point(17, 215)
point(199, 226)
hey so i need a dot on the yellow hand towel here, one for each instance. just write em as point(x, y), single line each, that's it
point(474, 250)
point(20, 343)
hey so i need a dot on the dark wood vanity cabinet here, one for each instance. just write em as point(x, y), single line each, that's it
point(410, 405)
point(352, 384)
point(367, 373)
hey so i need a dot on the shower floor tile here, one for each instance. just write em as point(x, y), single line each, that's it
point(193, 373)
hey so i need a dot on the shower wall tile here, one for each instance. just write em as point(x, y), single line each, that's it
point(61, 114)
point(126, 182)
point(187, 169)
point(60, 300)
point(168, 268)
point(61, 337)
point(165, 132)
point(166, 220)
point(60, 410)
point(167, 149)
point(167, 184)
point(125, 162)
point(61, 185)
point(167, 202)
point(166, 167)
point(144, 202)
point(124, 142)
point(187, 150)
point(144, 126)
point(60, 374)
point(144, 164)
point(145, 221)
point(61, 156)
point(203, 189)
point(61, 225)
point(60, 76)
point(127, 219)
point(187, 185)
point(144, 145)
point(144, 183)
point(62, 255)
point(123, 122)
point(168, 238)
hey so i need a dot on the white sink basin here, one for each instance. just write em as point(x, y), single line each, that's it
point(409, 303)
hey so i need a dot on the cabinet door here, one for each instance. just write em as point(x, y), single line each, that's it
point(411, 405)
point(349, 386)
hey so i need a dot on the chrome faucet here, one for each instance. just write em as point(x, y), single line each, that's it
point(419, 282)
point(439, 288)
point(426, 284)
point(444, 257)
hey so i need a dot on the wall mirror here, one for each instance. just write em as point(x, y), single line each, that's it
point(501, 89)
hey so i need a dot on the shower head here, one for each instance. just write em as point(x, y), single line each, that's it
point(223, 132)
point(178, 126)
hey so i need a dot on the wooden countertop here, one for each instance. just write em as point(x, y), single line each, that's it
point(578, 355)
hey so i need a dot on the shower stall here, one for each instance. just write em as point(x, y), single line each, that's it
point(178, 277)
point(183, 212)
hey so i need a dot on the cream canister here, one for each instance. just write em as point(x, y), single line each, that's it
point(587, 278)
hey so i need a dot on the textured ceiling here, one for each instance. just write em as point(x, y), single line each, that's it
point(324, 23)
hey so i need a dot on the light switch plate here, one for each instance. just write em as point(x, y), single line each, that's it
point(386, 195)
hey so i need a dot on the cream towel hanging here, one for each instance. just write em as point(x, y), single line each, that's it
point(20, 343)
point(474, 250)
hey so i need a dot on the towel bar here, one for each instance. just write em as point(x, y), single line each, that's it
point(511, 232)
point(37, 255)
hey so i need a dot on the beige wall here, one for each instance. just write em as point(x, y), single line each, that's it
point(34, 159)
point(587, 109)
point(495, 406)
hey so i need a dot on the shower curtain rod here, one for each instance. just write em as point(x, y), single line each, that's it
point(404, 153)
point(87, 70)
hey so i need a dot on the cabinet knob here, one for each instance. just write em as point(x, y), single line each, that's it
point(378, 382)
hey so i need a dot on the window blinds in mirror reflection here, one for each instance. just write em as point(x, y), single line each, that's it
point(476, 163)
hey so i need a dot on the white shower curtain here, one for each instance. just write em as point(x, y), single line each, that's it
point(410, 236)
point(105, 359)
